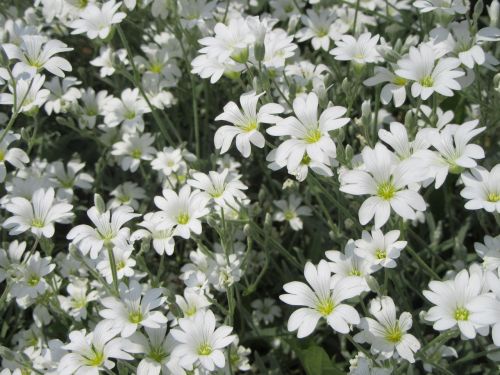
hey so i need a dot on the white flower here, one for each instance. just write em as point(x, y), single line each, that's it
point(127, 110)
point(223, 188)
point(37, 215)
point(489, 251)
point(385, 180)
point(454, 151)
point(290, 210)
point(380, 249)
point(482, 189)
point(320, 27)
point(67, 177)
point(455, 301)
point(128, 194)
point(134, 148)
point(167, 161)
point(397, 138)
point(387, 334)
point(182, 210)
point(360, 51)
point(15, 156)
point(97, 22)
point(309, 137)
point(163, 239)
point(485, 312)
point(206, 66)
point(35, 53)
point(394, 88)
point(265, 310)
point(108, 229)
point(63, 95)
point(459, 41)
point(133, 310)
point(89, 353)
point(31, 283)
point(11, 259)
point(28, 93)
point(107, 60)
point(428, 76)
point(230, 41)
point(200, 343)
point(246, 123)
point(448, 7)
point(348, 264)
point(92, 106)
point(77, 300)
point(123, 262)
point(278, 47)
point(157, 348)
point(191, 302)
point(322, 300)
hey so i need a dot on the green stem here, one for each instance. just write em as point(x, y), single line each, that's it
point(112, 263)
point(422, 263)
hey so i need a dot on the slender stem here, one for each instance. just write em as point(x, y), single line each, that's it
point(422, 263)
point(112, 264)
point(355, 18)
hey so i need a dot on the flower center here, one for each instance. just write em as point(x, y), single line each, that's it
point(95, 359)
point(427, 81)
point(124, 198)
point(33, 280)
point(157, 354)
point(394, 334)
point(355, 272)
point(183, 218)
point(313, 136)
point(79, 303)
point(322, 32)
point(289, 215)
point(325, 306)
point(380, 254)
point(67, 184)
point(493, 197)
point(2, 155)
point(190, 311)
point(386, 190)
point(130, 115)
point(156, 68)
point(399, 81)
point(37, 223)
point(135, 317)
point(250, 126)
point(136, 153)
point(461, 313)
point(120, 265)
point(205, 349)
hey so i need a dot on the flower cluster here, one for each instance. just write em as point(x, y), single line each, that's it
point(269, 187)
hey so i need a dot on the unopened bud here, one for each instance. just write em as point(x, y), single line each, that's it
point(366, 108)
point(259, 51)
point(494, 13)
point(409, 119)
point(99, 203)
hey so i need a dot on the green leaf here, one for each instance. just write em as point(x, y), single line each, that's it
point(316, 361)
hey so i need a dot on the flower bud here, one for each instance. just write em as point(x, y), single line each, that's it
point(259, 51)
point(99, 203)
point(366, 108)
point(494, 13)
